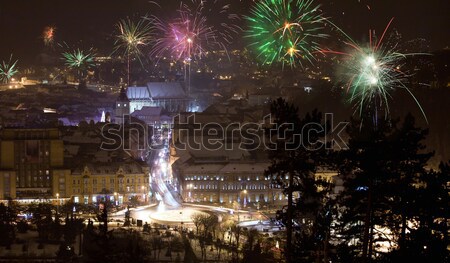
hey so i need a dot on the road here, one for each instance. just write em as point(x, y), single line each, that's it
point(161, 181)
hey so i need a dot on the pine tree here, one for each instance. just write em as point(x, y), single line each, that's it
point(297, 151)
point(363, 202)
point(407, 162)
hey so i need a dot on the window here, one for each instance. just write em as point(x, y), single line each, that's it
point(118, 104)
point(76, 199)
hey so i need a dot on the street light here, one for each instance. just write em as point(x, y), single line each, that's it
point(143, 193)
point(57, 204)
point(245, 197)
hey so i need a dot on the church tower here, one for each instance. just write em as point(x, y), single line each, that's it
point(122, 107)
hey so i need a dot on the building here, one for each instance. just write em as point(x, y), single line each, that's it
point(98, 172)
point(153, 116)
point(243, 182)
point(216, 160)
point(32, 165)
point(122, 107)
point(116, 181)
point(170, 96)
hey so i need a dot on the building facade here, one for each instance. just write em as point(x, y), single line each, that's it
point(118, 182)
point(170, 96)
point(242, 182)
point(32, 164)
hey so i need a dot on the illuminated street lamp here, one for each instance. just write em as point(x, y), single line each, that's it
point(57, 204)
point(143, 193)
point(245, 197)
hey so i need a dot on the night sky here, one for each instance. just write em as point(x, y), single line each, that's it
point(87, 23)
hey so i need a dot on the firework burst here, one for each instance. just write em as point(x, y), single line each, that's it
point(7, 70)
point(285, 31)
point(48, 35)
point(133, 37)
point(194, 32)
point(79, 60)
point(185, 37)
point(372, 72)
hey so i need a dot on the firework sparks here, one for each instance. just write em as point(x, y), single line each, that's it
point(133, 37)
point(79, 60)
point(192, 34)
point(285, 31)
point(7, 70)
point(185, 37)
point(48, 35)
point(224, 24)
point(372, 71)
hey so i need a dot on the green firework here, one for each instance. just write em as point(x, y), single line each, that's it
point(372, 72)
point(79, 59)
point(7, 70)
point(285, 31)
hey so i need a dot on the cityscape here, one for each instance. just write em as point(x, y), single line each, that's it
point(226, 131)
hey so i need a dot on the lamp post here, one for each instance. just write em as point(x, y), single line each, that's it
point(143, 193)
point(57, 206)
point(115, 198)
point(245, 197)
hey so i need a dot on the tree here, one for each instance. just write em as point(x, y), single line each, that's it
point(407, 163)
point(252, 249)
point(429, 240)
point(209, 223)
point(197, 221)
point(7, 231)
point(364, 201)
point(297, 150)
point(382, 170)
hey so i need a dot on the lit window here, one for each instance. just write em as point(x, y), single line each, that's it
point(118, 104)
point(125, 105)
point(76, 199)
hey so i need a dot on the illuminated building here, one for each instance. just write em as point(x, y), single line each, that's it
point(31, 164)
